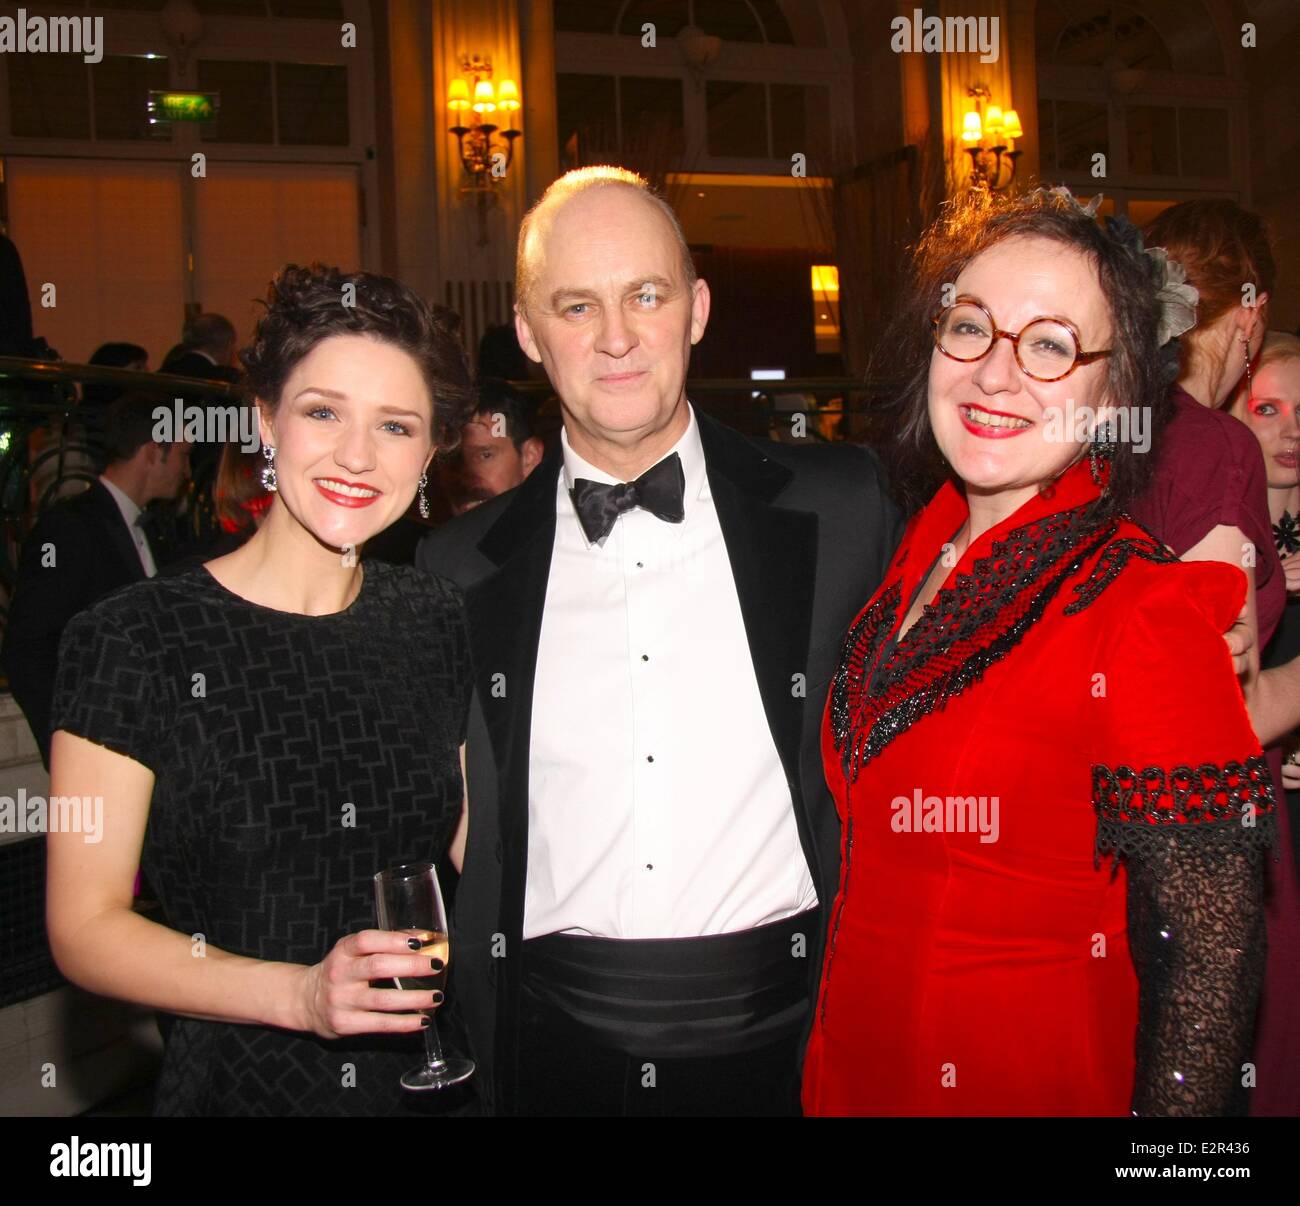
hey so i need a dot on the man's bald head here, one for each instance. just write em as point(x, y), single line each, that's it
point(533, 229)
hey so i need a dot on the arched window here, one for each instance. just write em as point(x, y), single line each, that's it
point(625, 90)
point(1135, 101)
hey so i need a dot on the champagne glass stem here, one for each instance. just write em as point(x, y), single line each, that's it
point(432, 1043)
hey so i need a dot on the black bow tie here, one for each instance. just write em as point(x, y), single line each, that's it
point(659, 490)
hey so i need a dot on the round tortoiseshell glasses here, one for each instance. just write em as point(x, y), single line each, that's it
point(1047, 349)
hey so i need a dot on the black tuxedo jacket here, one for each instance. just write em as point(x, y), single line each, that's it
point(809, 532)
point(93, 555)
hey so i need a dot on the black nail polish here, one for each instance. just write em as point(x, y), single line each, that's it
point(437, 996)
point(425, 1020)
point(414, 943)
point(437, 964)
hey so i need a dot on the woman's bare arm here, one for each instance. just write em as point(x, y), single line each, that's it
point(100, 943)
point(457, 851)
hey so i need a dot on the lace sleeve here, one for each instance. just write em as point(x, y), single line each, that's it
point(1193, 843)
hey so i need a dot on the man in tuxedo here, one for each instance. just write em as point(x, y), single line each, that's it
point(655, 615)
point(83, 548)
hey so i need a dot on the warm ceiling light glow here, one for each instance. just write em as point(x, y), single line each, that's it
point(508, 95)
point(458, 96)
point(485, 100)
point(1011, 125)
point(826, 280)
point(971, 131)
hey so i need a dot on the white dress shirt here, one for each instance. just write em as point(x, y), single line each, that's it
point(657, 803)
point(131, 515)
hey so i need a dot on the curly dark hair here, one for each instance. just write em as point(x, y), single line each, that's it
point(1139, 372)
point(305, 306)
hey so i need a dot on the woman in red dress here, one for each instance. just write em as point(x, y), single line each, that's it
point(1053, 803)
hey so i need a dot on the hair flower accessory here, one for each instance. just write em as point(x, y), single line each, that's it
point(1178, 299)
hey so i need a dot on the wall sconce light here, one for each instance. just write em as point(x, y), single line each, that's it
point(478, 109)
point(992, 167)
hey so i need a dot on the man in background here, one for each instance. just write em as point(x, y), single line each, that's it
point(82, 549)
point(498, 449)
point(206, 350)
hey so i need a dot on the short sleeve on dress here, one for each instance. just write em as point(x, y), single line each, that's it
point(107, 688)
point(1177, 755)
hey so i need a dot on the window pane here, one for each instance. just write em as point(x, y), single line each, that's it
point(245, 90)
point(737, 119)
point(1081, 133)
point(1204, 142)
point(730, 20)
point(807, 19)
point(667, 16)
point(652, 117)
point(1046, 136)
point(801, 122)
point(312, 104)
point(587, 16)
point(1152, 140)
point(585, 110)
point(1079, 33)
point(49, 96)
point(122, 87)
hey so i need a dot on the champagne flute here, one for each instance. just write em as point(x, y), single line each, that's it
point(408, 898)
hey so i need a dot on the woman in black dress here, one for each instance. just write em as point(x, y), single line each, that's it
point(268, 730)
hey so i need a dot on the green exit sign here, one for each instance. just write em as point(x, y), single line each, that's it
point(183, 106)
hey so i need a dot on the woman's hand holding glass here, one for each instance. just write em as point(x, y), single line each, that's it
point(335, 996)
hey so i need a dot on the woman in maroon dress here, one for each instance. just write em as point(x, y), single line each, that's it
point(1038, 683)
point(1208, 500)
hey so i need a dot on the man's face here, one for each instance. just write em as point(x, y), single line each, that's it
point(488, 463)
point(610, 314)
point(170, 469)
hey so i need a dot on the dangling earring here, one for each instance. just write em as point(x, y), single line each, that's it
point(424, 502)
point(1250, 390)
point(1103, 448)
point(268, 473)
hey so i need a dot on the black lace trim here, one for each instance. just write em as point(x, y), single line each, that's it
point(1229, 806)
point(880, 689)
point(1114, 557)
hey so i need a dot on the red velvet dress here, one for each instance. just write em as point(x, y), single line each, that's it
point(1066, 695)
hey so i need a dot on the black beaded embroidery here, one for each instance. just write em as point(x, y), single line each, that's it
point(883, 688)
point(1114, 557)
point(1229, 805)
point(1192, 840)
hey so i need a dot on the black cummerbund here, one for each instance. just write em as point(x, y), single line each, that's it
point(722, 994)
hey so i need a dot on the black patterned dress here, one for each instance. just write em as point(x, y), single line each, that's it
point(294, 756)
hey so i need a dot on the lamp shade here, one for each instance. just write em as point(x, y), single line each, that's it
point(508, 95)
point(458, 96)
point(993, 119)
point(971, 130)
point(485, 100)
point(1011, 124)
